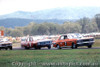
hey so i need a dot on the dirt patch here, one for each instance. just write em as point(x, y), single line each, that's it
point(16, 45)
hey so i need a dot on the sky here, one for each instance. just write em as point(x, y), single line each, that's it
point(9, 6)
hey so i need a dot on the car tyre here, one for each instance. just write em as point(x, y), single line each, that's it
point(73, 46)
point(76, 46)
point(6, 48)
point(39, 47)
point(49, 47)
point(10, 48)
point(90, 46)
point(35, 47)
point(27, 47)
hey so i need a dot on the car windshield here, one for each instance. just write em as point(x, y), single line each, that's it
point(3, 40)
point(23, 39)
point(70, 36)
point(79, 35)
point(38, 38)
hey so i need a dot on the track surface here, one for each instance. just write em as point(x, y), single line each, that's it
point(56, 48)
point(17, 46)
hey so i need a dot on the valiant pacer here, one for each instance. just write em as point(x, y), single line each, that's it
point(29, 42)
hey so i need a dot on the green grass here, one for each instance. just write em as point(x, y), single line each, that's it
point(51, 58)
point(12, 58)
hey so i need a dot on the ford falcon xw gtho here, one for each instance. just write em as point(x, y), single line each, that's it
point(73, 41)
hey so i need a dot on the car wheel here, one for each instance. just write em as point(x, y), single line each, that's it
point(49, 47)
point(6, 48)
point(39, 47)
point(35, 47)
point(27, 48)
point(76, 46)
point(10, 48)
point(90, 46)
point(58, 47)
point(73, 46)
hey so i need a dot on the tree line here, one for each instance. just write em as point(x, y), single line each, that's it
point(84, 25)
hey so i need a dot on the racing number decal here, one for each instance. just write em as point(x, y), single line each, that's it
point(65, 43)
point(61, 43)
point(30, 44)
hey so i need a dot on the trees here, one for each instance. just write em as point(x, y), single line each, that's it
point(42, 29)
point(2, 28)
point(88, 25)
point(70, 27)
point(16, 32)
point(97, 17)
point(84, 25)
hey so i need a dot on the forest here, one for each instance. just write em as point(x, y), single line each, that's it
point(83, 25)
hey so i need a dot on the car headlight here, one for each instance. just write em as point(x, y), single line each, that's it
point(91, 39)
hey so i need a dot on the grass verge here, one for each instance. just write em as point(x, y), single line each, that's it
point(50, 58)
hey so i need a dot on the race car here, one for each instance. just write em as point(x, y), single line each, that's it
point(30, 42)
point(5, 44)
point(73, 41)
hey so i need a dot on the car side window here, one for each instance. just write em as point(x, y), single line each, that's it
point(27, 39)
point(62, 37)
point(30, 39)
point(65, 37)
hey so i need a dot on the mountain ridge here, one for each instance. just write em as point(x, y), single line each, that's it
point(56, 13)
point(19, 22)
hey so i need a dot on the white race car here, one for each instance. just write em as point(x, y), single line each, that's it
point(82, 41)
point(5, 44)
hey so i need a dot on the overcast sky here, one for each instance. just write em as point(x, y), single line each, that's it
point(9, 6)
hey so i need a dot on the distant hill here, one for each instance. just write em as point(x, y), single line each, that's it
point(12, 22)
point(56, 15)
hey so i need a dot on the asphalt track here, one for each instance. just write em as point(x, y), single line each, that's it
point(18, 47)
point(56, 48)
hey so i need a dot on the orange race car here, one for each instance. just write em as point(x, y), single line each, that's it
point(73, 41)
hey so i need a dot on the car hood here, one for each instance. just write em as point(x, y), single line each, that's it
point(83, 38)
point(43, 40)
point(6, 42)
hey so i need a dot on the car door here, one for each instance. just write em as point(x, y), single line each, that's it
point(61, 41)
point(64, 41)
point(67, 42)
point(30, 41)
